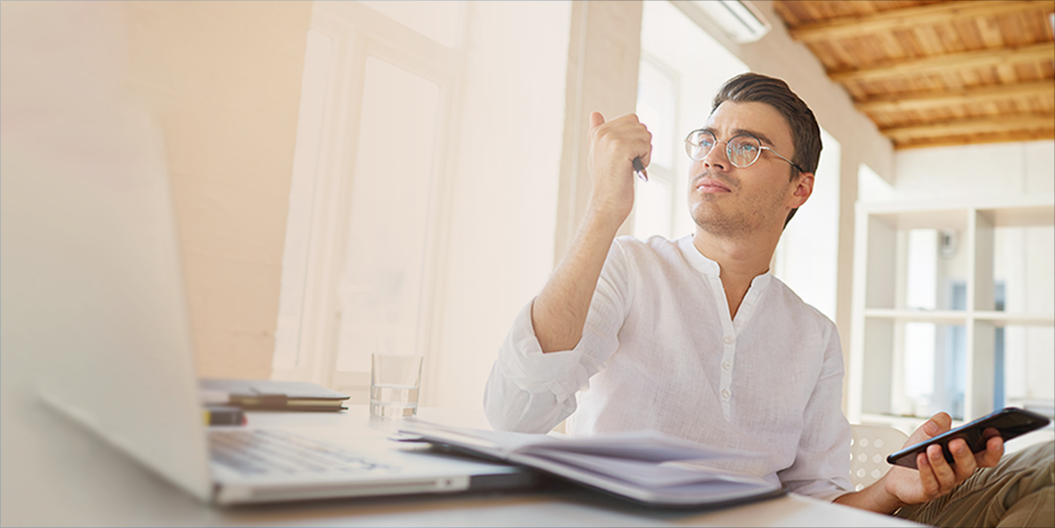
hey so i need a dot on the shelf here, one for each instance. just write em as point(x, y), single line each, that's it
point(960, 317)
point(1036, 215)
point(957, 317)
point(1015, 319)
point(879, 339)
point(1003, 211)
point(938, 219)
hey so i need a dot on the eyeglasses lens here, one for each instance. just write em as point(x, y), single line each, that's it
point(698, 144)
point(743, 151)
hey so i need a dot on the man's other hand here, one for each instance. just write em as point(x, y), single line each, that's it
point(936, 476)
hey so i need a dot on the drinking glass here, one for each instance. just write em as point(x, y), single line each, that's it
point(395, 381)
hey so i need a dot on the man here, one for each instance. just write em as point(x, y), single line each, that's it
point(694, 337)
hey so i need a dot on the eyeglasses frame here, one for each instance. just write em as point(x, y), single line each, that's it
point(689, 144)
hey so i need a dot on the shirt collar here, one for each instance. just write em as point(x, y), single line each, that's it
point(697, 260)
point(709, 267)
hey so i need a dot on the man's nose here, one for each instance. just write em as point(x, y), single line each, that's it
point(717, 158)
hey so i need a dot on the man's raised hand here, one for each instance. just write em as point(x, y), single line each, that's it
point(613, 147)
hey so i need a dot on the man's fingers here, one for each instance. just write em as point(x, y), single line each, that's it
point(596, 119)
point(934, 426)
point(942, 470)
point(622, 136)
point(994, 450)
point(965, 461)
point(928, 480)
point(939, 423)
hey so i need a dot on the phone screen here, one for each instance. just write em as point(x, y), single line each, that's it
point(1007, 423)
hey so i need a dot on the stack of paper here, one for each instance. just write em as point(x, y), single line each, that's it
point(639, 465)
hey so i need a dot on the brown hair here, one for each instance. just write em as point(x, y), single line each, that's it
point(805, 132)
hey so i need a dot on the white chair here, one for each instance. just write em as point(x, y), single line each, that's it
point(869, 447)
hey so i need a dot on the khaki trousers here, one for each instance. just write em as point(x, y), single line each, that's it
point(1019, 491)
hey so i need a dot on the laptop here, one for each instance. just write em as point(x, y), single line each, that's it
point(97, 261)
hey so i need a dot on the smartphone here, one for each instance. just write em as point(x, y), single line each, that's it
point(1007, 423)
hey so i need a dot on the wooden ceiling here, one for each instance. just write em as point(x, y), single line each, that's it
point(934, 73)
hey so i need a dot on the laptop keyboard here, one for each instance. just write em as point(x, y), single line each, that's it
point(260, 451)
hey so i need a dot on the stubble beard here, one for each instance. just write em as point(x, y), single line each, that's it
point(708, 215)
point(717, 215)
point(708, 218)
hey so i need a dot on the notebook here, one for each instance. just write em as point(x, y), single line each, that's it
point(271, 395)
point(109, 276)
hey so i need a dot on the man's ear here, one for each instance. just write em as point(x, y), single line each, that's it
point(802, 188)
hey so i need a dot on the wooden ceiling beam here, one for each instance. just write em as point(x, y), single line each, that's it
point(978, 125)
point(895, 19)
point(1044, 51)
point(948, 141)
point(908, 102)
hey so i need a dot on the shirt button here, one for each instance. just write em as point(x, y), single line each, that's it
point(728, 365)
point(726, 394)
point(728, 340)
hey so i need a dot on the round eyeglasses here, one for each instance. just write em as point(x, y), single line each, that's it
point(742, 151)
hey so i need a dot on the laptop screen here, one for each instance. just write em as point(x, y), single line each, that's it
point(90, 239)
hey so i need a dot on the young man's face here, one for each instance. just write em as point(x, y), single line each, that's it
point(731, 201)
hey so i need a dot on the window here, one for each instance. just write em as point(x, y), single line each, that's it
point(302, 193)
point(377, 89)
point(656, 106)
point(1024, 283)
point(380, 300)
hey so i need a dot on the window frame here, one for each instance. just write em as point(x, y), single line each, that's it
point(667, 175)
point(357, 32)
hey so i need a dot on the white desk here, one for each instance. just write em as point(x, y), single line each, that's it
point(55, 473)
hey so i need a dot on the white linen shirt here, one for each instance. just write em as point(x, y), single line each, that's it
point(659, 351)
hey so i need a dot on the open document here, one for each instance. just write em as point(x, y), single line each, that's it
point(645, 466)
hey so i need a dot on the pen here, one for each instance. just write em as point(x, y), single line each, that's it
point(639, 169)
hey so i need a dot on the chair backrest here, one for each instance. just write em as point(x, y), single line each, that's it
point(869, 448)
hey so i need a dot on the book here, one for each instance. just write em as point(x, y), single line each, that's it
point(645, 467)
point(270, 395)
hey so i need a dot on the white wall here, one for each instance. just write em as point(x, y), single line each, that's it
point(999, 169)
point(504, 194)
point(223, 81)
point(223, 78)
point(807, 258)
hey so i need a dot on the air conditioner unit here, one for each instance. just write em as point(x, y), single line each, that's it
point(739, 20)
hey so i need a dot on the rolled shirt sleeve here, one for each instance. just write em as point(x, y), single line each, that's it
point(532, 391)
